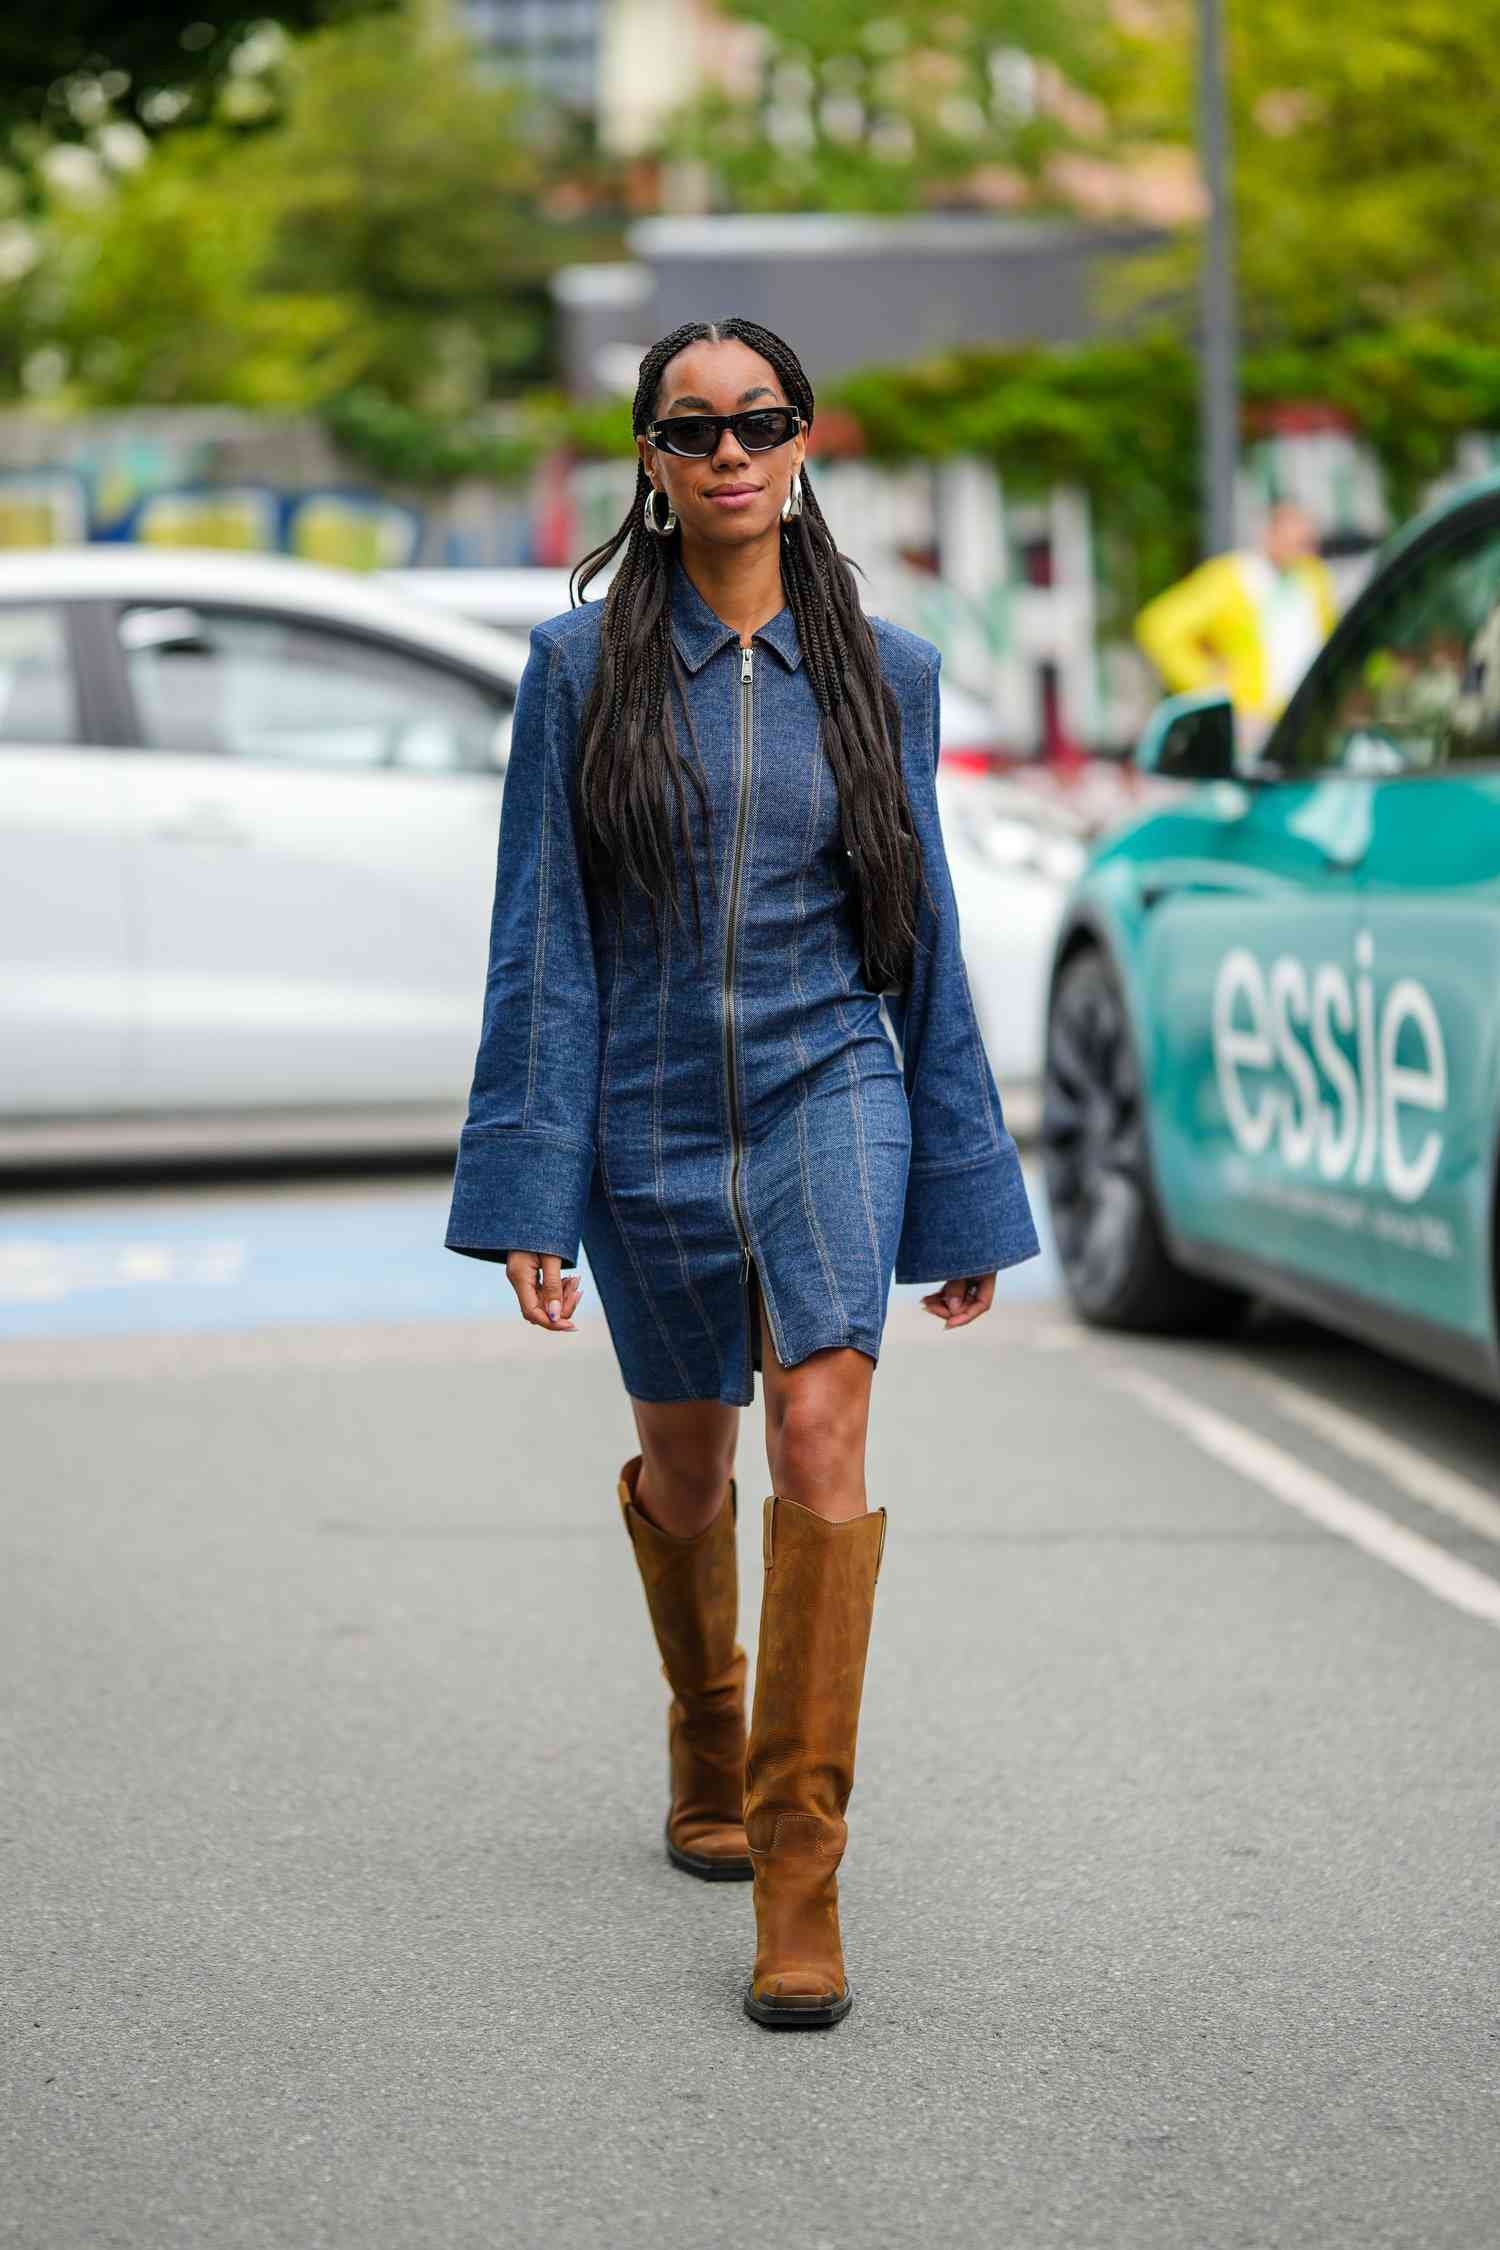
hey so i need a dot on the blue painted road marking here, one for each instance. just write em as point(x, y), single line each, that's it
point(152, 1264)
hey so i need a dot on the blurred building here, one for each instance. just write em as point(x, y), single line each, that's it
point(554, 44)
point(655, 55)
point(627, 64)
point(848, 290)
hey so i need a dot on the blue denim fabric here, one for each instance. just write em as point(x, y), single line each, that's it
point(601, 1111)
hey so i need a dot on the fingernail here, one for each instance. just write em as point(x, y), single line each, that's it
point(553, 1309)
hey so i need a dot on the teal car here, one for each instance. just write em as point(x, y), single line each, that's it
point(1273, 1043)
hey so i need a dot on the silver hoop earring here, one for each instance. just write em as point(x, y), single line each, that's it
point(791, 506)
point(661, 530)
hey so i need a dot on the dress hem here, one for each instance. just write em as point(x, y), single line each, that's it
point(853, 1339)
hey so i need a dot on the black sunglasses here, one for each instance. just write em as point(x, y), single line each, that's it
point(759, 429)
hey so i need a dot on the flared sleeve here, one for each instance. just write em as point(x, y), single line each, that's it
point(967, 1210)
point(526, 1151)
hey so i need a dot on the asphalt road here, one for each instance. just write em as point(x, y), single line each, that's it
point(332, 1900)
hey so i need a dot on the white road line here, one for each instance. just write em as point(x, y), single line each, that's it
point(1289, 1480)
point(1413, 1472)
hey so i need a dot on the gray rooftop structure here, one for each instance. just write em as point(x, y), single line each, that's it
point(847, 291)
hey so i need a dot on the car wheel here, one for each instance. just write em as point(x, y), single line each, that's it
point(1098, 1171)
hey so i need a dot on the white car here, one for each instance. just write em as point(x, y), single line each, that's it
point(248, 811)
point(248, 814)
point(513, 599)
point(1013, 860)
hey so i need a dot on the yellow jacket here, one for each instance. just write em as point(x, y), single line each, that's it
point(1207, 631)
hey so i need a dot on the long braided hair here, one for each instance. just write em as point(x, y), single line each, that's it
point(633, 779)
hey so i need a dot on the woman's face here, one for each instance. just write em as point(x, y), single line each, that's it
point(733, 497)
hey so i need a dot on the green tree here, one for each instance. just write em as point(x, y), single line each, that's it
point(1367, 159)
point(887, 105)
point(417, 186)
point(1366, 156)
point(390, 231)
point(162, 294)
point(65, 66)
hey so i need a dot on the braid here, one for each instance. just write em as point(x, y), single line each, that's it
point(633, 778)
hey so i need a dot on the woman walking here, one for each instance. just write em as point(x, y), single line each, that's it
point(719, 849)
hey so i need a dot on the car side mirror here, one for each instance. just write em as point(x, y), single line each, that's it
point(1190, 738)
point(178, 631)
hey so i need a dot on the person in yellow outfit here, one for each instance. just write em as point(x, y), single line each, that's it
point(1249, 622)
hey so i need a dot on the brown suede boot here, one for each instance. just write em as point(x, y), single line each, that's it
point(814, 1632)
point(692, 1592)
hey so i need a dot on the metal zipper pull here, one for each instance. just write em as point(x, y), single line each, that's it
point(744, 1261)
point(745, 665)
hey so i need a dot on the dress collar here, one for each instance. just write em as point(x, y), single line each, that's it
point(700, 632)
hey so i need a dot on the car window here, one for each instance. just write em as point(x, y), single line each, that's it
point(280, 692)
point(38, 700)
point(1419, 686)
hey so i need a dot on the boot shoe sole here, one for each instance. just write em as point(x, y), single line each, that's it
point(789, 2015)
point(710, 1870)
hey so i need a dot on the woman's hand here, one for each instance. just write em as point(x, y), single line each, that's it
point(958, 1302)
point(545, 1298)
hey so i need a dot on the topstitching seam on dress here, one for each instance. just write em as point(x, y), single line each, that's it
point(937, 1165)
point(809, 1204)
point(609, 1193)
point(662, 1198)
point(864, 1168)
point(539, 943)
point(976, 1049)
point(778, 1338)
point(838, 969)
point(532, 1133)
point(852, 1068)
point(849, 1335)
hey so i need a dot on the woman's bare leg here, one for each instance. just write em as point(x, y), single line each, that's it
point(817, 1420)
point(687, 1459)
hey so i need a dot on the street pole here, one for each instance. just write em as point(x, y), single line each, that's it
point(1218, 348)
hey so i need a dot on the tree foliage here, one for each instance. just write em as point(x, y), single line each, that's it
point(1366, 156)
point(389, 232)
point(1116, 418)
point(64, 65)
point(886, 105)
point(1120, 419)
point(163, 294)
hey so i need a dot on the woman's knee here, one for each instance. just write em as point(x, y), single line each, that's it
point(687, 1447)
point(820, 1434)
point(687, 1458)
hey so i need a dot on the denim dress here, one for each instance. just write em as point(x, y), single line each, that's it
point(749, 1126)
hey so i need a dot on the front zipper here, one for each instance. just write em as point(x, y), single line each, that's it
point(736, 865)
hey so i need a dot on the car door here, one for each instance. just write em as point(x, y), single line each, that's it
point(1249, 966)
point(69, 941)
point(319, 810)
point(1415, 698)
